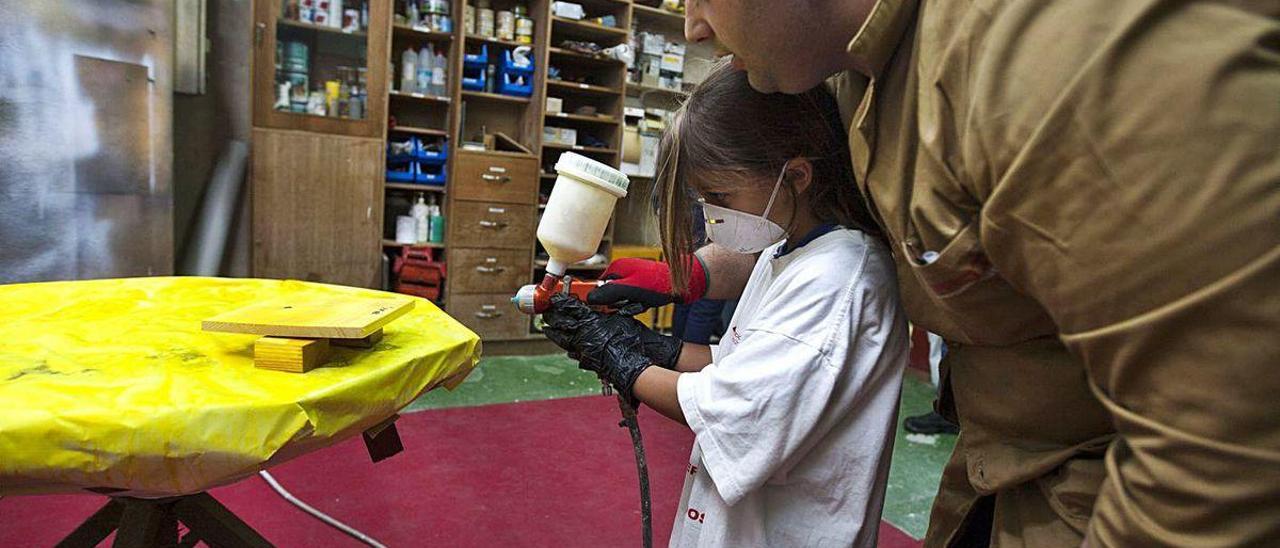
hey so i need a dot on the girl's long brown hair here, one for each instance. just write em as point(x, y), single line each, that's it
point(729, 131)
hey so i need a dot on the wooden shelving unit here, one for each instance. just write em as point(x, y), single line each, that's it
point(393, 243)
point(416, 187)
point(485, 96)
point(319, 28)
point(584, 118)
point(495, 41)
point(580, 148)
point(419, 131)
point(580, 88)
point(574, 56)
point(420, 97)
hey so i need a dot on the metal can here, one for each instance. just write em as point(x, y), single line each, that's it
point(484, 22)
point(524, 30)
point(506, 25)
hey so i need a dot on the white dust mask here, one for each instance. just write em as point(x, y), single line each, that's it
point(740, 231)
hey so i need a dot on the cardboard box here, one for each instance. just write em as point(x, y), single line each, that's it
point(555, 105)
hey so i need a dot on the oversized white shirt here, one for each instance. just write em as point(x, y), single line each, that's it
point(794, 418)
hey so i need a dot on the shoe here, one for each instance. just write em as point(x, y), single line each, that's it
point(930, 423)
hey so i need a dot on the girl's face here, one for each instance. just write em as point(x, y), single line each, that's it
point(747, 193)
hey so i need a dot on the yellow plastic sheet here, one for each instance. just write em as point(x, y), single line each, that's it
point(111, 385)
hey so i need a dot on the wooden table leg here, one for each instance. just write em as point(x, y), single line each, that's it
point(146, 523)
point(211, 522)
point(97, 527)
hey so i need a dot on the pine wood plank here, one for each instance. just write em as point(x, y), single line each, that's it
point(326, 318)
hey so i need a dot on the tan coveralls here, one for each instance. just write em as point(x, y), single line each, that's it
point(1083, 198)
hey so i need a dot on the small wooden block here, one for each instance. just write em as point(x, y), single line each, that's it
point(366, 342)
point(383, 440)
point(291, 355)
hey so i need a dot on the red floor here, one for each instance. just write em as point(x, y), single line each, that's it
point(552, 473)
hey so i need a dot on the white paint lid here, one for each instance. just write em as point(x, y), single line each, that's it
point(585, 169)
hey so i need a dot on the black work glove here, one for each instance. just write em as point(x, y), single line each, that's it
point(611, 345)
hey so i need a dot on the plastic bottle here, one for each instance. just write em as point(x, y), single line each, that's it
point(421, 214)
point(440, 75)
point(437, 222)
point(425, 60)
point(409, 71)
point(411, 12)
point(578, 210)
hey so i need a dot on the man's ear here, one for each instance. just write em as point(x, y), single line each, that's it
point(799, 174)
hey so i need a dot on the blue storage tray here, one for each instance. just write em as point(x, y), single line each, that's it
point(505, 87)
point(414, 146)
point(433, 157)
point(406, 176)
point(435, 178)
point(508, 66)
point(477, 59)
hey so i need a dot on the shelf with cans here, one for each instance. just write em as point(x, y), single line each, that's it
point(321, 58)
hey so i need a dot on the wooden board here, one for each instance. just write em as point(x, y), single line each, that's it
point(291, 355)
point(326, 318)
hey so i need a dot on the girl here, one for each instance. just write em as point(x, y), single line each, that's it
point(794, 410)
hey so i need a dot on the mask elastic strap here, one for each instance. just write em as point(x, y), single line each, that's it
point(776, 187)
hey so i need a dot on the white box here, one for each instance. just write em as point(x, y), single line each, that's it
point(648, 155)
point(555, 105)
point(672, 62)
point(568, 10)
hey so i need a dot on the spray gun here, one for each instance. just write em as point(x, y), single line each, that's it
point(571, 228)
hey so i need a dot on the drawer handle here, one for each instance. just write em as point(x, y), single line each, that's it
point(497, 169)
point(490, 269)
point(496, 179)
point(493, 224)
point(488, 314)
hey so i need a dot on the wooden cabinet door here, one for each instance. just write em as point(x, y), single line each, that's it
point(307, 56)
point(317, 207)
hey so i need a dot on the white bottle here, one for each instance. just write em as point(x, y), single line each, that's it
point(421, 214)
point(335, 13)
point(425, 60)
point(439, 77)
point(409, 71)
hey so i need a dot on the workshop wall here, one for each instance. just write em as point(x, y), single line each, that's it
point(204, 124)
point(85, 139)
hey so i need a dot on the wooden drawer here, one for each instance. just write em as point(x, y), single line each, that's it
point(491, 315)
point(491, 225)
point(495, 178)
point(488, 270)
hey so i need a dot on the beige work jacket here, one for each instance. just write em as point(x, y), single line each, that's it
point(1083, 197)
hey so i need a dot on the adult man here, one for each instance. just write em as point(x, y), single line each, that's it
point(1084, 201)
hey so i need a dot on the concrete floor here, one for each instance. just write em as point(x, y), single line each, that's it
point(913, 479)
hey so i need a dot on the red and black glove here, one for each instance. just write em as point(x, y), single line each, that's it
point(646, 283)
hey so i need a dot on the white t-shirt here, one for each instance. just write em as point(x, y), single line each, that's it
point(794, 418)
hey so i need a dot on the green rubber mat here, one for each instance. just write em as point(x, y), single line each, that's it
point(510, 379)
point(917, 463)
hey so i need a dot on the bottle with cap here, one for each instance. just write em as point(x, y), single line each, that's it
point(421, 214)
point(578, 210)
point(409, 71)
